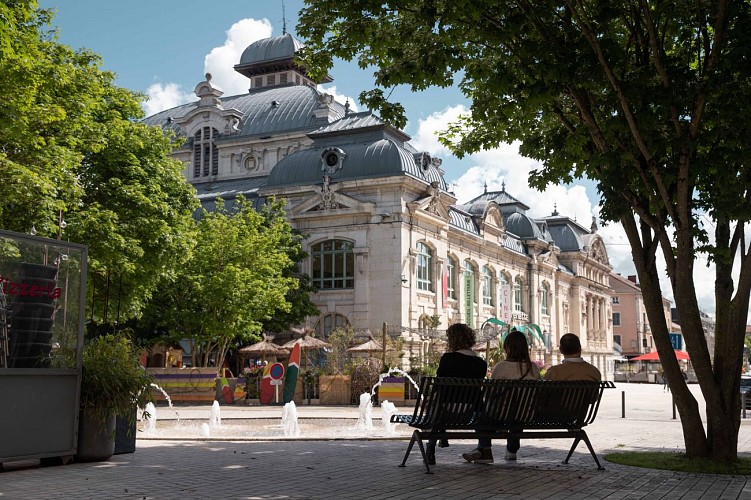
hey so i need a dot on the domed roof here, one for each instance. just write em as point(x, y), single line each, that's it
point(566, 238)
point(523, 226)
point(264, 111)
point(381, 158)
point(271, 49)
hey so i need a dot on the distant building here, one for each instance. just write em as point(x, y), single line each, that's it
point(387, 240)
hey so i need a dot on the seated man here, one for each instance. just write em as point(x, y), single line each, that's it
point(573, 366)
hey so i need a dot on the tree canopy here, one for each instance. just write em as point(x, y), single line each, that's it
point(236, 279)
point(649, 99)
point(76, 164)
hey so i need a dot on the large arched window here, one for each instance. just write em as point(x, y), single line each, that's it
point(518, 294)
point(544, 299)
point(424, 268)
point(487, 286)
point(451, 269)
point(332, 265)
point(205, 153)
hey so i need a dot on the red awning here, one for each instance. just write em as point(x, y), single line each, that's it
point(654, 356)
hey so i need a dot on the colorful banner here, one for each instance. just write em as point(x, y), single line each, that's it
point(293, 368)
point(469, 299)
point(505, 303)
point(445, 283)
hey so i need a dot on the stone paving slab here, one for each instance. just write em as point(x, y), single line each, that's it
point(368, 469)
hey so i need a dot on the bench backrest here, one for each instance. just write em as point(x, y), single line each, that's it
point(492, 404)
point(448, 402)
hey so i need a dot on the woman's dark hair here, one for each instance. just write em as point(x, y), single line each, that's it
point(517, 350)
point(460, 336)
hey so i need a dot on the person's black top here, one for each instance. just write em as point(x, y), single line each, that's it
point(457, 364)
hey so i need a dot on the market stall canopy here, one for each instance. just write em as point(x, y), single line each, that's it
point(654, 356)
point(264, 348)
point(369, 346)
point(307, 342)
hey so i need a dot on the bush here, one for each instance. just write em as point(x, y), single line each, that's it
point(113, 381)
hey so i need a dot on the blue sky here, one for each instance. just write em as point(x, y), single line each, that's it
point(163, 49)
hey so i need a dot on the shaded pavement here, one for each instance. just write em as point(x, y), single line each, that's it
point(274, 468)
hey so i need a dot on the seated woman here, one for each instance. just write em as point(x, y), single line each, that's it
point(516, 366)
point(458, 361)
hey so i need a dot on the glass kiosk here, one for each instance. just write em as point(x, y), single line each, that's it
point(42, 311)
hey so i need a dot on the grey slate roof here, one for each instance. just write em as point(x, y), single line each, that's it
point(380, 158)
point(294, 110)
point(505, 200)
point(228, 189)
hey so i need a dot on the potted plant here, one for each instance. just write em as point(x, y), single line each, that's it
point(113, 384)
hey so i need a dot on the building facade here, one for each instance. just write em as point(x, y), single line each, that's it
point(388, 242)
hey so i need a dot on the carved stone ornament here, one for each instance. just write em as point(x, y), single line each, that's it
point(327, 195)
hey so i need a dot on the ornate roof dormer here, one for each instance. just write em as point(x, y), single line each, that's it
point(208, 93)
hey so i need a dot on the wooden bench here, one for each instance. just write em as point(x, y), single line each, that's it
point(460, 408)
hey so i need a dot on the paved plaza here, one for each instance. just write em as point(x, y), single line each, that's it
point(239, 467)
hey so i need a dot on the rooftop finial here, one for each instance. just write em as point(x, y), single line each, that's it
point(485, 186)
point(555, 210)
point(503, 186)
point(346, 108)
point(284, 20)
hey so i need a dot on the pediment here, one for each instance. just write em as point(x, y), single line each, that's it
point(330, 201)
point(493, 218)
point(434, 206)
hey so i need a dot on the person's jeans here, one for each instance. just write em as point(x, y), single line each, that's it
point(512, 444)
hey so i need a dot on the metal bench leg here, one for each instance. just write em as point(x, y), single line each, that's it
point(582, 436)
point(415, 437)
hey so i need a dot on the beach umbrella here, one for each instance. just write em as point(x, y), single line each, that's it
point(306, 342)
point(654, 356)
point(263, 348)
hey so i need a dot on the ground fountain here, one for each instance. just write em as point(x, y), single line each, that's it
point(365, 419)
point(149, 417)
point(168, 399)
point(290, 425)
point(215, 418)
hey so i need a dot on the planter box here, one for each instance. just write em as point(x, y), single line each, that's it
point(392, 389)
point(335, 389)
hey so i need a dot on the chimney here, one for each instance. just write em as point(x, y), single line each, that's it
point(632, 278)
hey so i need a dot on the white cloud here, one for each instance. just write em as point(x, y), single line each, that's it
point(221, 60)
point(163, 96)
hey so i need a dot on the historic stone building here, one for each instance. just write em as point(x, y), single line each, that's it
point(388, 242)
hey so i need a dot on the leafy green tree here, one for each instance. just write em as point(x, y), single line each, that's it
point(72, 154)
point(237, 278)
point(649, 99)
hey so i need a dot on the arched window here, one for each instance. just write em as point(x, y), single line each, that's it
point(328, 323)
point(518, 294)
point(544, 299)
point(487, 286)
point(332, 265)
point(503, 278)
point(451, 269)
point(424, 268)
point(205, 153)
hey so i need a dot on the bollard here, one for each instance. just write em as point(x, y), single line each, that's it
point(623, 404)
point(673, 407)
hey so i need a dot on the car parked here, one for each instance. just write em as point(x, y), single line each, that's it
point(746, 387)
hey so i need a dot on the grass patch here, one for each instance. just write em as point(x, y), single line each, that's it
point(679, 462)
